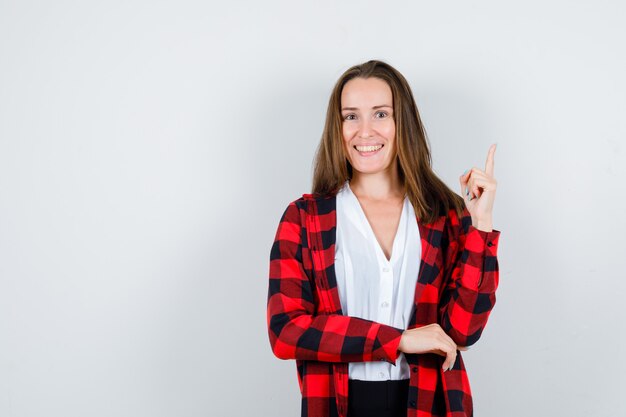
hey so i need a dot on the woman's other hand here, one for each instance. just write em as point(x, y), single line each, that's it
point(430, 339)
point(478, 188)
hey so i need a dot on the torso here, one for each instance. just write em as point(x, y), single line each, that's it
point(384, 217)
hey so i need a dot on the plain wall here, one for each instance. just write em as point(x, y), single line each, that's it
point(148, 149)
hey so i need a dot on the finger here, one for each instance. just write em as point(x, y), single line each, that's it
point(448, 346)
point(440, 352)
point(443, 344)
point(476, 191)
point(477, 172)
point(453, 360)
point(467, 182)
point(489, 163)
point(472, 191)
point(463, 181)
point(450, 359)
point(448, 343)
point(443, 336)
point(481, 184)
point(450, 353)
point(446, 362)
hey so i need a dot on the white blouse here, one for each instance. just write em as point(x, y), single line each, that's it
point(369, 285)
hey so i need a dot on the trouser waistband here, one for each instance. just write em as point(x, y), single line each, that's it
point(378, 395)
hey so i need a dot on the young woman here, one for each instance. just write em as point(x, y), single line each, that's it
point(382, 275)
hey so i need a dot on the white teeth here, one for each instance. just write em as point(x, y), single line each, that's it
point(368, 148)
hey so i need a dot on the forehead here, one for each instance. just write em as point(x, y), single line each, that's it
point(362, 92)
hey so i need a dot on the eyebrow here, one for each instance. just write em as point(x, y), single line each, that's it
point(374, 108)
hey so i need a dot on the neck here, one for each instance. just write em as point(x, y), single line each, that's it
point(377, 186)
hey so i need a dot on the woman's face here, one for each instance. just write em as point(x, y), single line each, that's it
point(368, 124)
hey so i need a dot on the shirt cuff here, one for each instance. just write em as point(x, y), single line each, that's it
point(479, 259)
point(386, 344)
point(482, 241)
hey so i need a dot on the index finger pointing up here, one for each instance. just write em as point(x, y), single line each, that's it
point(489, 163)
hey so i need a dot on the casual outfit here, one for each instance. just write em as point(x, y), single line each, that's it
point(338, 306)
point(371, 286)
point(376, 288)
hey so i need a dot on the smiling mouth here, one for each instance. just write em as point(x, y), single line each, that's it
point(370, 148)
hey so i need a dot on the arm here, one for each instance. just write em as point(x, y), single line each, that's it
point(472, 279)
point(295, 331)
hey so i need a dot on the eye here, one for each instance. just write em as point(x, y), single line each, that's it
point(346, 117)
point(382, 112)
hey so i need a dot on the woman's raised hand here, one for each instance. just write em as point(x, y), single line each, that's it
point(430, 339)
point(478, 188)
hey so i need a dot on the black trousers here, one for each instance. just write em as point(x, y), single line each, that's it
point(377, 398)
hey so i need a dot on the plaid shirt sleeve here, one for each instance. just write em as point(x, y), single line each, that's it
point(472, 280)
point(295, 330)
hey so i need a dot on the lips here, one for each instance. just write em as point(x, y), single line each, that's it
point(368, 150)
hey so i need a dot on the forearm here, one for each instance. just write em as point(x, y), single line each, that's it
point(485, 226)
point(470, 292)
point(332, 338)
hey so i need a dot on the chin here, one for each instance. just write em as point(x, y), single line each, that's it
point(369, 169)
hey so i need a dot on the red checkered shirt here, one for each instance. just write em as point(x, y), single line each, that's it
point(456, 285)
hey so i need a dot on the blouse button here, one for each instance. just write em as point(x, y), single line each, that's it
point(385, 269)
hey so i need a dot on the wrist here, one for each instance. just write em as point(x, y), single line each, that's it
point(400, 345)
point(484, 225)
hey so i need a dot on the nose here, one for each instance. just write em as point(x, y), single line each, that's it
point(365, 129)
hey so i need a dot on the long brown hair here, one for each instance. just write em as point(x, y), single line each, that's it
point(428, 194)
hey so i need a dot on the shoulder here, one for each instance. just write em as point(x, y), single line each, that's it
point(314, 203)
point(309, 204)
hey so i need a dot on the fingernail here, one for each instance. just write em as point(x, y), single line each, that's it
point(466, 191)
point(466, 171)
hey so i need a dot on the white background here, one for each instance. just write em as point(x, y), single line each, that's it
point(148, 149)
